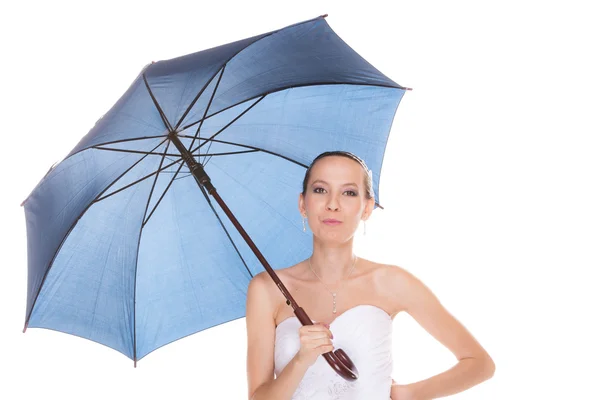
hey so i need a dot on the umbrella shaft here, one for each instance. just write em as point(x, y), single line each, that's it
point(203, 179)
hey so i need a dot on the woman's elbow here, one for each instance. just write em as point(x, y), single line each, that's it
point(489, 367)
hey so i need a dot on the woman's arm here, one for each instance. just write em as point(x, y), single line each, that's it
point(474, 364)
point(261, 343)
point(285, 385)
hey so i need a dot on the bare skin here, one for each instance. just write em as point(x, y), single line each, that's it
point(336, 191)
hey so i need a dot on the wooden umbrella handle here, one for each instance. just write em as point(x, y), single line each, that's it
point(337, 359)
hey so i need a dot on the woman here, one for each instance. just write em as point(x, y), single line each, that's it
point(354, 300)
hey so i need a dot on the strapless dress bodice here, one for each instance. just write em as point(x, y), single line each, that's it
point(364, 332)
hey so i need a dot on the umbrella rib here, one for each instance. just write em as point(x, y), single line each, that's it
point(73, 226)
point(225, 229)
point(292, 87)
point(226, 154)
point(138, 250)
point(112, 142)
point(275, 210)
point(231, 58)
point(170, 159)
point(231, 122)
point(138, 181)
point(229, 153)
point(152, 153)
point(160, 111)
point(161, 196)
point(252, 147)
point(128, 140)
point(167, 155)
point(123, 174)
point(155, 180)
point(206, 112)
point(222, 70)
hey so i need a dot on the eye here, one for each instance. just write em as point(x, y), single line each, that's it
point(351, 193)
point(318, 190)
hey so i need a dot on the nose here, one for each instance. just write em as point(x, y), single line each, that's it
point(333, 204)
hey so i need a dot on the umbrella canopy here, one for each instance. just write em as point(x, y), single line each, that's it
point(125, 249)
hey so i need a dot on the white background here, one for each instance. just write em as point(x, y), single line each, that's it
point(490, 183)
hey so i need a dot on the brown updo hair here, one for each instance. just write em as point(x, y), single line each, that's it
point(368, 176)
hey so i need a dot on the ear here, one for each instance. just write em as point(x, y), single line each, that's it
point(369, 207)
point(301, 206)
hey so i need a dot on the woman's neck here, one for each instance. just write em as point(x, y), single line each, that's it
point(332, 264)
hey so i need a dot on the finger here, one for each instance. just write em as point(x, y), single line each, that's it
point(323, 343)
point(313, 342)
point(312, 339)
point(314, 330)
point(325, 348)
point(315, 327)
point(320, 336)
point(316, 344)
point(321, 326)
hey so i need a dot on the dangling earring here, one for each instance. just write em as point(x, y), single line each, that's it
point(364, 227)
point(303, 224)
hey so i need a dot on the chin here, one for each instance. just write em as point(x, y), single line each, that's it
point(334, 238)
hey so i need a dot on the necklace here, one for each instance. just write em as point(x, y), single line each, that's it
point(333, 294)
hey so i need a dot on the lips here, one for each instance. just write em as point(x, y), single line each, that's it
point(331, 221)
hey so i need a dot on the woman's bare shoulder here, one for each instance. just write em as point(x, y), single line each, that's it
point(381, 272)
point(284, 274)
point(393, 283)
point(259, 294)
point(262, 286)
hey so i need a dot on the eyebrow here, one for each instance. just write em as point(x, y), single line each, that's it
point(323, 182)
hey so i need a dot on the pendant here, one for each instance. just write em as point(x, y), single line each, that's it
point(334, 307)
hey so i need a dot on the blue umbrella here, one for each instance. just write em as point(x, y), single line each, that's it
point(126, 246)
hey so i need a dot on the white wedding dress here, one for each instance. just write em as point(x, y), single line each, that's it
point(364, 332)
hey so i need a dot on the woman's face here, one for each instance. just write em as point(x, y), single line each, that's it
point(335, 200)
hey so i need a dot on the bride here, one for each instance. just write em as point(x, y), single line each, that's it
point(354, 301)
